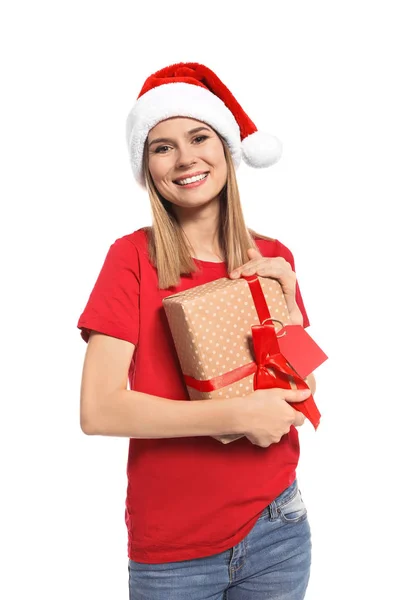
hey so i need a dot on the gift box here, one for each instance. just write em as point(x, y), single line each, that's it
point(211, 325)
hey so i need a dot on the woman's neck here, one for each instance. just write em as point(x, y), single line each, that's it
point(202, 234)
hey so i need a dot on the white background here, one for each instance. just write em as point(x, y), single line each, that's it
point(322, 77)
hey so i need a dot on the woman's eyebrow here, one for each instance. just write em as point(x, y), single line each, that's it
point(196, 129)
point(158, 140)
point(168, 140)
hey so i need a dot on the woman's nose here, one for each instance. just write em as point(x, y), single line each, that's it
point(185, 156)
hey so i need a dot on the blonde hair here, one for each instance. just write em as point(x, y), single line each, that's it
point(169, 250)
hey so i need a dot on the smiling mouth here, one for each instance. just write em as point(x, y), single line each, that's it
point(189, 180)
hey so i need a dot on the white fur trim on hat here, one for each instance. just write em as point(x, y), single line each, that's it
point(178, 100)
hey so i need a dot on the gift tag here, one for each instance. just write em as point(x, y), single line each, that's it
point(300, 350)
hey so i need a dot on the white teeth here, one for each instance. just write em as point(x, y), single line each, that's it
point(191, 179)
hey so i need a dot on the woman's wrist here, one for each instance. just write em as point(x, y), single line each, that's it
point(296, 317)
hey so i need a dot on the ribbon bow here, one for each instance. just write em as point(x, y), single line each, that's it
point(268, 356)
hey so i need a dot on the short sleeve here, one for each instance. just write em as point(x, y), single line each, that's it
point(287, 255)
point(113, 305)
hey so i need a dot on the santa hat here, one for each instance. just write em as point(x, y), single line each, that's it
point(192, 90)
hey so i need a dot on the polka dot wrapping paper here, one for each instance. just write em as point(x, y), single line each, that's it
point(211, 328)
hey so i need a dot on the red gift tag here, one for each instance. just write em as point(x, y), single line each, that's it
point(300, 350)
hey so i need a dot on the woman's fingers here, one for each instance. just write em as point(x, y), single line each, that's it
point(298, 419)
point(253, 253)
point(265, 267)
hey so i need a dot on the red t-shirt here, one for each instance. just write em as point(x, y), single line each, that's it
point(187, 497)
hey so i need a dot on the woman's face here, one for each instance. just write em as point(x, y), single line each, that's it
point(186, 161)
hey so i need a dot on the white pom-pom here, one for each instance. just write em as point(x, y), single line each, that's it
point(261, 149)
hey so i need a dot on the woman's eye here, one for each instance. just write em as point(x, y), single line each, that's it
point(200, 138)
point(161, 149)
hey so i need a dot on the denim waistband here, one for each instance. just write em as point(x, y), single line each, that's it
point(286, 496)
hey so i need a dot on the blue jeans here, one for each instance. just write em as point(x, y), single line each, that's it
point(271, 563)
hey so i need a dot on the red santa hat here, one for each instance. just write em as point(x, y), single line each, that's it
point(192, 90)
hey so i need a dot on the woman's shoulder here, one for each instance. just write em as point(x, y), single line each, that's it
point(137, 238)
point(273, 247)
point(270, 244)
point(127, 249)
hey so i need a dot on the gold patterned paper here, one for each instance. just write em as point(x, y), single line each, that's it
point(211, 328)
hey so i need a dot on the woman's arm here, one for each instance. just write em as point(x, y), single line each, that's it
point(107, 407)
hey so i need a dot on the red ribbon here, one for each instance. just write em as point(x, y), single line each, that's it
point(268, 356)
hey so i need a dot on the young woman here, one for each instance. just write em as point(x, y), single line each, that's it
point(205, 520)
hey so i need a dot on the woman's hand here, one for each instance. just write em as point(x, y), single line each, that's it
point(266, 415)
point(278, 268)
